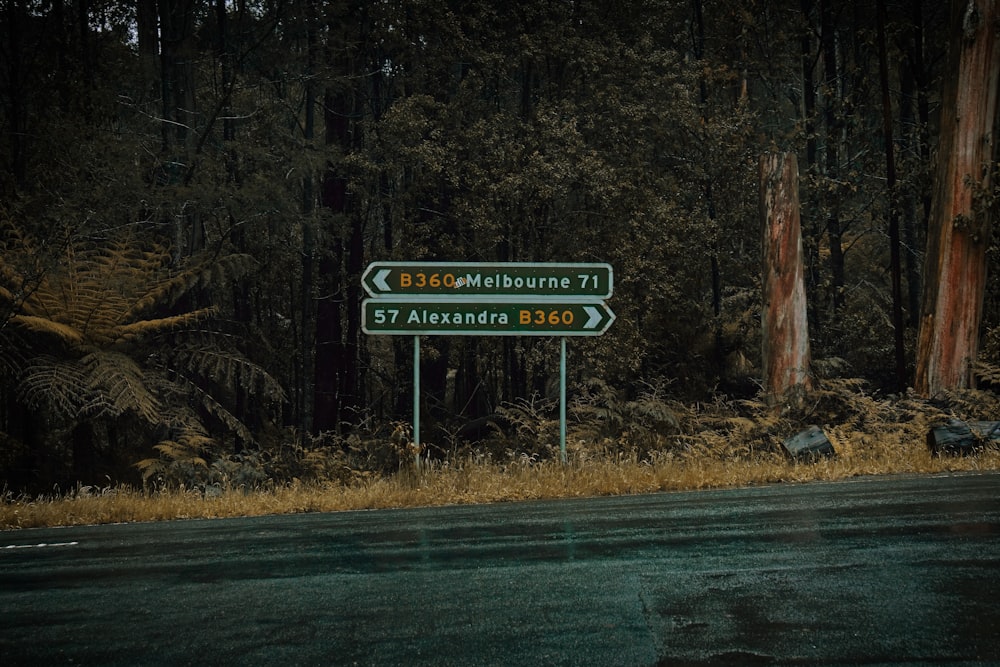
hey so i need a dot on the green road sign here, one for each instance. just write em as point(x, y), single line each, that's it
point(500, 280)
point(453, 317)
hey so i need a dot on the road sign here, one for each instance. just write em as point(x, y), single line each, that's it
point(499, 280)
point(479, 317)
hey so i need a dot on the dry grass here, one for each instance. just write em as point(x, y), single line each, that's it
point(719, 446)
point(472, 482)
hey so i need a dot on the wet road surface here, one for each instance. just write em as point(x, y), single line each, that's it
point(896, 570)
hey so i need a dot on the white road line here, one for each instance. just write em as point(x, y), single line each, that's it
point(43, 545)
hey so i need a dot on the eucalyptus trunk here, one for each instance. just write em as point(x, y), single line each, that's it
point(785, 326)
point(955, 268)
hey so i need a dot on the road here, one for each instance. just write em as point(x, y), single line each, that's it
point(897, 570)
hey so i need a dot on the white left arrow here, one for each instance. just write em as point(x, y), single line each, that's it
point(595, 316)
point(380, 282)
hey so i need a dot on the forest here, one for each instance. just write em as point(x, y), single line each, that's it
point(190, 191)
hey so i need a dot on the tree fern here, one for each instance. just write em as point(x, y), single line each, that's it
point(56, 384)
point(146, 328)
point(48, 327)
point(224, 366)
point(118, 379)
point(101, 336)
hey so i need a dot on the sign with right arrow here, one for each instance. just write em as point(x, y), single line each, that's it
point(452, 317)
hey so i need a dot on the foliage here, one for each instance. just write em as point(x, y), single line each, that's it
point(643, 425)
point(139, 176)
point(196, 462)
point(530, 428)
point(104, 337)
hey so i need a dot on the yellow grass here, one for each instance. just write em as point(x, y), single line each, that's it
point(477, 482)
point(721, 445)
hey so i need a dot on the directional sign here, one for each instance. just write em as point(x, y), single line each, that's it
point(480, 317)
point(500, 280)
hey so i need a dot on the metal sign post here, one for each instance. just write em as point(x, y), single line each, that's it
point(562, 399)
point(416, 397)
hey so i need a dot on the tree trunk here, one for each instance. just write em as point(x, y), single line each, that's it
point(147, 34)
point(351, 380)
point(84, 452)
point(785, 326)
point(15, 106)
point(178, 53)
point(915, 92)
point(719, 354)
point(955, 267)
point(832, 116)
point(896, 267)
point(814, 231)
point(331, 358)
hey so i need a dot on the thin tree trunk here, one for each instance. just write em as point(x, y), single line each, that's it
point(955, 268)
point(304, 355)
point(896, 268)
point(719, 355)
point(84, 452)
point(331, 357)
point(178, 52)
point(16, 108)
point(785, 326)
point(83, 24)
point(351, 380)
point(921, 216)
point(147, 35)
point(814, 230)
point(831, 114)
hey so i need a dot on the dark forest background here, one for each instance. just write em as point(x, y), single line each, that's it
point(191, 189)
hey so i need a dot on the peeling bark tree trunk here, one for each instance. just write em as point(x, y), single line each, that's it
point(785, 326)
point(955, 268)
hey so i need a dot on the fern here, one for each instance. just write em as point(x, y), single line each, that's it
point(123, 383)
point(645, 417)
point(44, 326)
point(529, 418)
point(96, 339)
point(987, 372)
point(217, 410)
point(182, 460)
point(58, 384)
point(167, 291)
point(147, 328)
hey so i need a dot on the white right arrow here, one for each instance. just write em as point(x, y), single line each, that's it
point(380, 282)
point(595, 316)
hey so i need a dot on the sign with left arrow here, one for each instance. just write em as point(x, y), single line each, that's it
point(485, 317)
point(499, 280)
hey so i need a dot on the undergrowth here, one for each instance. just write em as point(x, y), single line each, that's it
point(615, 445)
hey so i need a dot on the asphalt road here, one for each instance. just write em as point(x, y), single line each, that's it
point(899, 570)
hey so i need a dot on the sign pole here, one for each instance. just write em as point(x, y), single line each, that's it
point(562, 398)
point(416, 397)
